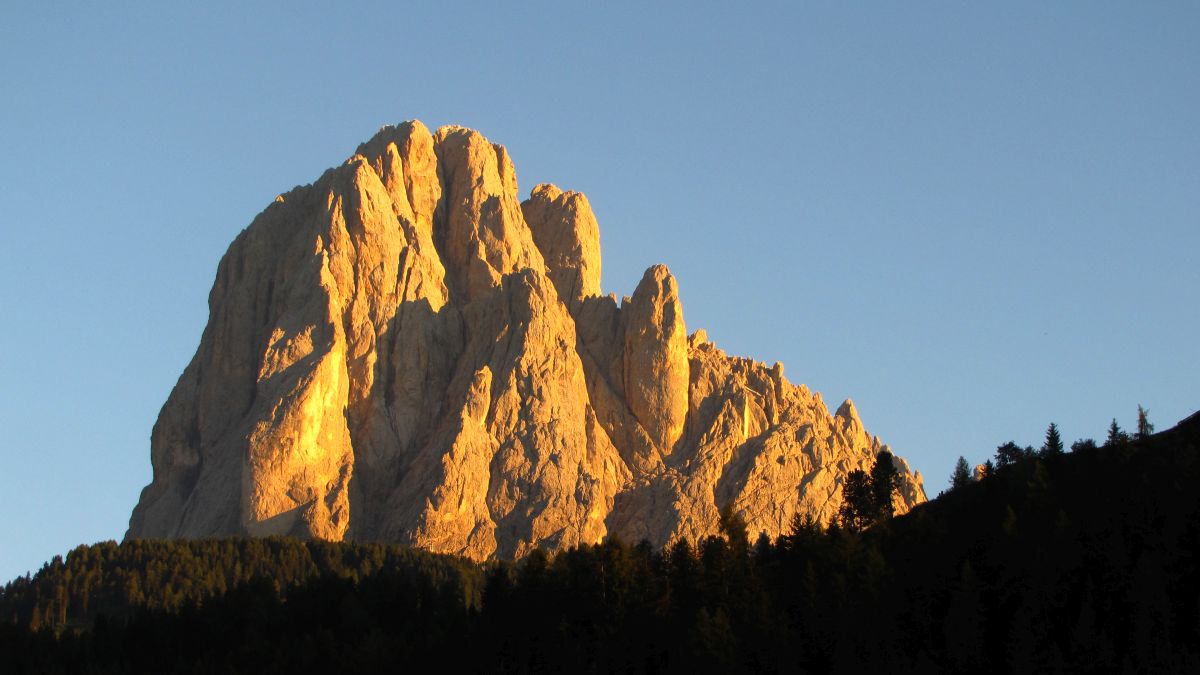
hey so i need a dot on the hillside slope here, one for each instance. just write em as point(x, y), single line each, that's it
point(1084, 562)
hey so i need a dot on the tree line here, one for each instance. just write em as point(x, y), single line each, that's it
point(1058, 562)
point(1009, 453)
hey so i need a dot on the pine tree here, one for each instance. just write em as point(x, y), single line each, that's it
point(961, 475)
point(855, 513)
point(1053, 445)
point(1115, 435)
point(867, 498)
point(885, 481)
point(733, 526)
point(1145, 428)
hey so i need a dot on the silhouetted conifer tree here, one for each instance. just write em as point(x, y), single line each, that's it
point(867, 499)
point(961, 475)
point(855, 514)
point(1115, 435)
point(1053, 445)
point(733, 526)
point(885, 481)
point(1144, 427)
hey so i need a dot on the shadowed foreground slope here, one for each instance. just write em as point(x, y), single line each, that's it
point(1084, 562)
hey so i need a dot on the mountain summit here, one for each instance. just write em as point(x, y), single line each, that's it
point(404, 351)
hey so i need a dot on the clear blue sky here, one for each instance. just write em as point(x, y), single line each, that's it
point(974, 221)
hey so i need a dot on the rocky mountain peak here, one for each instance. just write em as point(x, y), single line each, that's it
point(405, 351)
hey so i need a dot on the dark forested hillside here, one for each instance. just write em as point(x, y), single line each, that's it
point(1055, 562)
point(118, 579)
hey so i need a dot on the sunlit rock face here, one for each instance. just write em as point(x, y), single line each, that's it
point(404, 351)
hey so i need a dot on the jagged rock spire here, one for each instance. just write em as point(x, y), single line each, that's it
point(404, 351)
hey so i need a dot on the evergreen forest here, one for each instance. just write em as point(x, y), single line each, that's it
point(1052, 560)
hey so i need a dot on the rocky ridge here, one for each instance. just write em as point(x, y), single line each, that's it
point(404, 351)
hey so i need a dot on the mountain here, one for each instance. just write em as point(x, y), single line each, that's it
point(404, 351)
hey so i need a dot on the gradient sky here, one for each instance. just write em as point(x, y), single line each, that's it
point(974, 221)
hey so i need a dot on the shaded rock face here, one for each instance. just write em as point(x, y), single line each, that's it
point(404, 351)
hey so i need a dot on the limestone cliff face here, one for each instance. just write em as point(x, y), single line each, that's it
point(405, 351)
